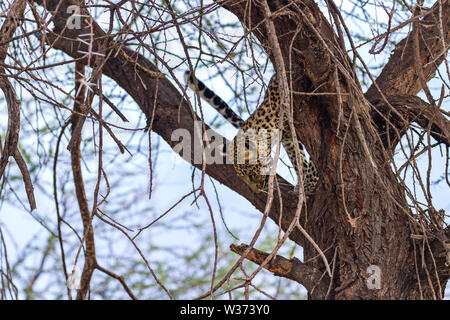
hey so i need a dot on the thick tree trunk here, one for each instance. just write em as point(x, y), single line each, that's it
point(359, 215)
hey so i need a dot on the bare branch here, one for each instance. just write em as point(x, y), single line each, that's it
point(390, 80)
point(311, 278)
point(7, 30)
point(412, 109)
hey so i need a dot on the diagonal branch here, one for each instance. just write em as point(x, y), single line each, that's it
point(308, 276)
point(399, 74)
point(413, 63)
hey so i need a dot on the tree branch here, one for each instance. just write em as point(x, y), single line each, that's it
point(399, 74)
point(308, 276)
point(412, 109)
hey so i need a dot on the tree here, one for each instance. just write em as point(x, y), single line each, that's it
point(365, 234)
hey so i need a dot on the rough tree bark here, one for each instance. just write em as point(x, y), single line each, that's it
point(359, 214)
point(359, 209)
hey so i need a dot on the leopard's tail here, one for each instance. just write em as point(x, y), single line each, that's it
point(213, 99)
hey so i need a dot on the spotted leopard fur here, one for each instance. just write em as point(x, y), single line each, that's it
point(256, 156)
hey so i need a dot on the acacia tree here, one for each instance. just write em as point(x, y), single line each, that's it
point(363, 216)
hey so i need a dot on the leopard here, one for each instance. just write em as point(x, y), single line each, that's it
point(253, 143)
